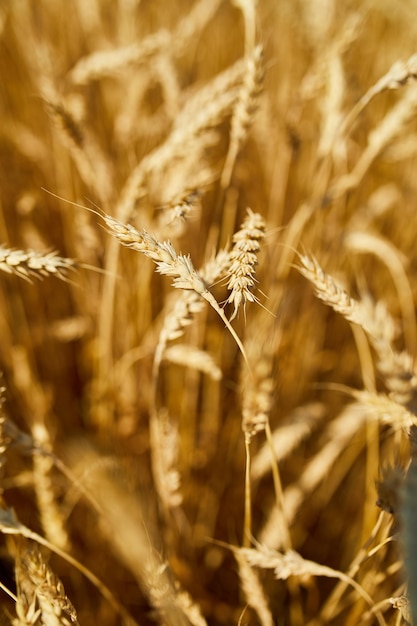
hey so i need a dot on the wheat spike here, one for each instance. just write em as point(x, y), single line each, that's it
point(243, 259)
point(28, 263)
point(41, 597)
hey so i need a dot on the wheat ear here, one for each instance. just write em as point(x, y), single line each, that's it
point(243, 259)
point(28, 263)
point(169, 263)
point(39, 590)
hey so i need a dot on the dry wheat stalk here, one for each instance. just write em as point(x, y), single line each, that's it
point(243, 259)
point(378, 140)
point(400, 73)
point(297, 427)
point(248, 8)
point(257, 395)
point(28, 263)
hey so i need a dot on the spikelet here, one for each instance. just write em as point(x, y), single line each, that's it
point(243, 259)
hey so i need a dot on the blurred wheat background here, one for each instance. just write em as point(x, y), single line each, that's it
point(224, 440)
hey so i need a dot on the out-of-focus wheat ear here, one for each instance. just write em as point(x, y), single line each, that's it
point(389, 486)
point(328, 290)
point(380, 138)
point(244, 110)
point(194, 358)
point(10, 525)
point(109, 62)
point(394, 260)
point(338, 435)
point(28, 263)
point(134, 546)
point(174, 215)
point(164, 448)
point(409, 540)
point(243, 259)
point(105, 63)
point(203, 110)
point(402, 604)
point(401, 73)
point(294, 429)
point(90, 161)
point(396, 367)
point(39, 590)
point(52, 518)
point(253, 590)
point(190, 608)
point(331, 110)
point(193, 23)
point(291, 563)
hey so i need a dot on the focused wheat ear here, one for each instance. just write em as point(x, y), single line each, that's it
point(169, 263)
point(243, 259)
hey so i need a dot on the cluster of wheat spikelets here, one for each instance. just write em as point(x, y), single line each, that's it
point(208, 402)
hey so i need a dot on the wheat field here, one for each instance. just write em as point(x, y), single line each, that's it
point(208, 312)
